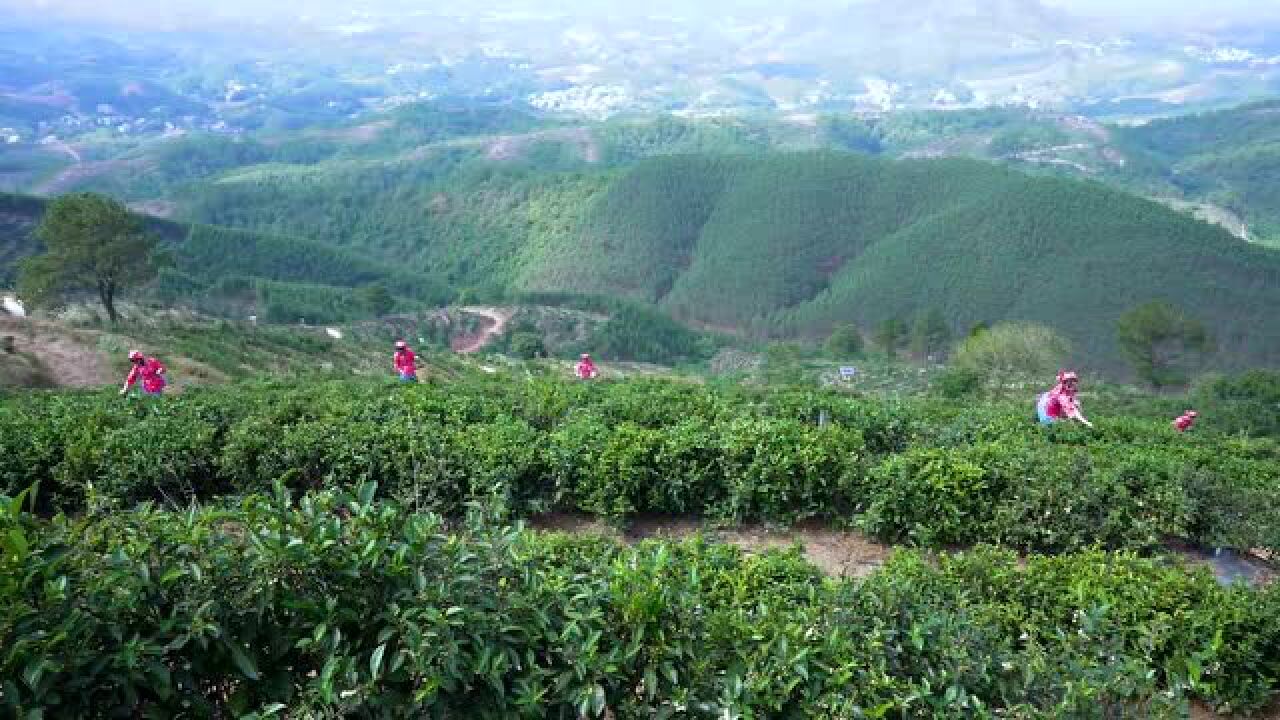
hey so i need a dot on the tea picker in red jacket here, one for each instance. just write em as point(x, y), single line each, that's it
point(1060, 403)
point(1184, 422)
point(149, 370)
point(586, 369)
point(406, 363)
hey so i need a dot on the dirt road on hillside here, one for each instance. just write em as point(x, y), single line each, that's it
point(493, 324)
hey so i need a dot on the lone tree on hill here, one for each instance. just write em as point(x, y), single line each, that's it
point(92, 244)
point(1157, 340)
point(889, 336)
point(930, 334)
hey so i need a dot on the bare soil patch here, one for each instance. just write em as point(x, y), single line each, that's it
point(838, 553)
point(67, 358)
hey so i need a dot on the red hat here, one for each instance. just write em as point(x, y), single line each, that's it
point(134, 355)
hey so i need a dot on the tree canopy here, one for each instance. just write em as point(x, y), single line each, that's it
point(1160, 342)
point(93, 244)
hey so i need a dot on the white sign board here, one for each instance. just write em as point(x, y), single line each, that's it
point(848, 373)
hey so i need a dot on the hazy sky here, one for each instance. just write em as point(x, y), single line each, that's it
point(1147, 14)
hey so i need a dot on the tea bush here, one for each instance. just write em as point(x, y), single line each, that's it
point(337, 604)
point(927, 471)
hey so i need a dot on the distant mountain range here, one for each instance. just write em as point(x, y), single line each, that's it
point(875, 55)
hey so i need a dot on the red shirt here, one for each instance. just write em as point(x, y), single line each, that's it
point(1061, 404)
point(587, 370)
point(1184, 423)
point(406, 362)
point(152, 373)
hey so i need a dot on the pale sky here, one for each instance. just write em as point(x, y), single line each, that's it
point(1144, 14)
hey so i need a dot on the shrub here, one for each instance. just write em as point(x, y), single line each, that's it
point(337, 604)
point(786, 470)
point(844, 342)
point(1010, 351)
point(928, 497)
point(1155, 339)
point(527, 345)
point(929, 471)
point(1245, 403)
point(957, 382)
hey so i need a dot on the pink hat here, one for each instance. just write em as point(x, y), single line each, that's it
point(401, 344)
point(134, 355)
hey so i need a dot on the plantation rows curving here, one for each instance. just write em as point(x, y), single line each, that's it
point(339, 605)
point(920, 473)
point(658, 447)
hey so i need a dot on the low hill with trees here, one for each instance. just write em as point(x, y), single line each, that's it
point(797, 245)
point(237, 272)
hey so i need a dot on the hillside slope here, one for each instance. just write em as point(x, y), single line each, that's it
point(1230, 157)
point(227, 270)
point(795, 244)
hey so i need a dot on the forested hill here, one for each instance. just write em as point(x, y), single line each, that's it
point(796, 244)
point(1230, 157)
point(230, 271)
point(785, 245)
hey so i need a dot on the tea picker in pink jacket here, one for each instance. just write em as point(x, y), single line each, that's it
point(1060, 403)
point(147, 369)
point(405, 362)
point(1184, 422)
point(586, 369)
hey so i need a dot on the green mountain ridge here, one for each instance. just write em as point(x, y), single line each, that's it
point(793, 245)
point(744, 225)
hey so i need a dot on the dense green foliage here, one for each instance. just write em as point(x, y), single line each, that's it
point(635, 332)
point(18, 218)
point(890, 335)
point(930, 335)
point(1161, 343)
point(466, 225)
point(336, 604)
point(1009, 352)
point(822, 240)
point(844, 342)
point(351, 551)
point(923, 473)
point(235, 272)
point(1247, 403)
point(92, 245)
point(1229, 157)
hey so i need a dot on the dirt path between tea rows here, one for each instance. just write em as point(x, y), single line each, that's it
point(838, 553)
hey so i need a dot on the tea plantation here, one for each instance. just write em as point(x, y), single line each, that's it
point(355, 549)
